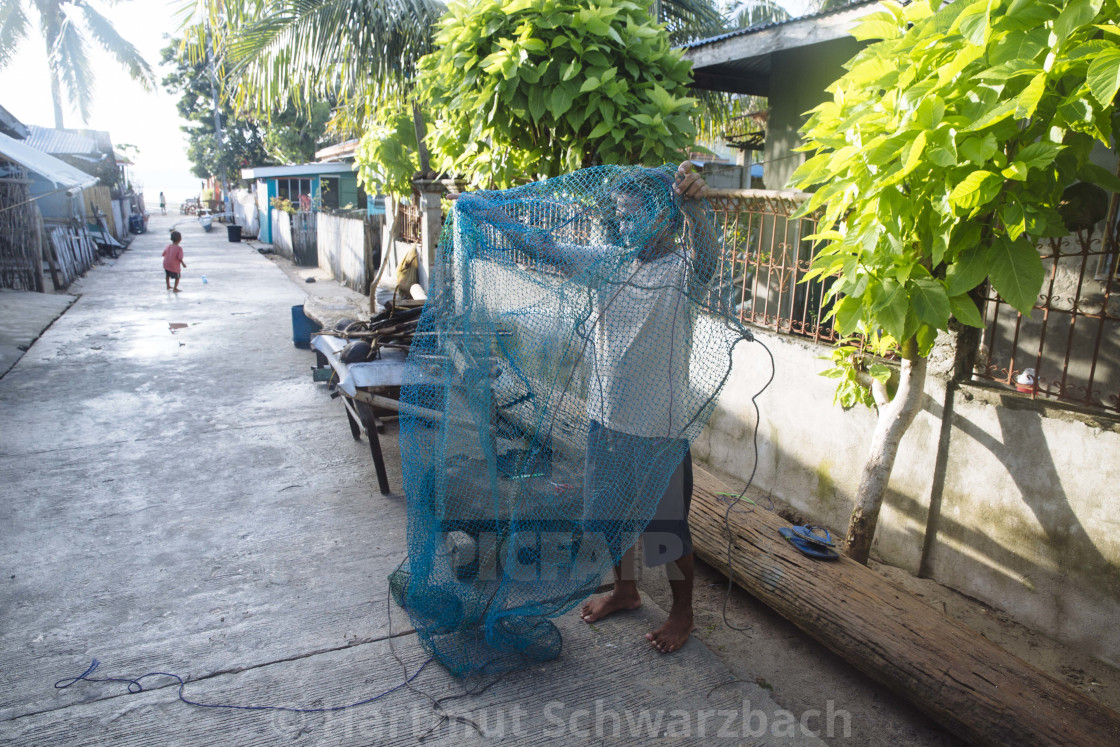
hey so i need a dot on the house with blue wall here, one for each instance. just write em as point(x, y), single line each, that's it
point(310, 187)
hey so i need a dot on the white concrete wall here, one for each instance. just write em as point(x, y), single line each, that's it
point(245, 212)
point(1030, 516)
point(1028, 519)
point(282, 234)
point(342, 250)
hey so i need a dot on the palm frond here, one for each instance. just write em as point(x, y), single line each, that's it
point(14, 25)
point(689, 20)
point(72, 66)
point(757, 12)
point(346, 49)
point(103, 32)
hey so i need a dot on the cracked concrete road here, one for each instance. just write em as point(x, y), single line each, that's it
point(184, 499)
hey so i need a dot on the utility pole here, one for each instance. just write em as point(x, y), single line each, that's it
point(222, 176)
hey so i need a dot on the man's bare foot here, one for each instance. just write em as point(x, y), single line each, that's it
point(176, 290)
point(673, 634)
point(617, 601)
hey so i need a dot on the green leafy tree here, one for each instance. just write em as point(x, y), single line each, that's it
point(68, 27)
point(294, 134)
point(242, 142)
point(534, 88)
point(941, 160)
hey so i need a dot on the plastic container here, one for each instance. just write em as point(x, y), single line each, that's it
point(233, 232)
point(302, 328)
point(136, 223)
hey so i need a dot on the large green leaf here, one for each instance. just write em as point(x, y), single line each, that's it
point(978, 149)
point(877, 26)
point(1075, 13)
point(975, 22)
point(1029, 98)
point(930, 112)
point(1104, 76)
point(930, 301)
point(891, 307)
point(1016, 271)
point(848, 313)
point(1039, 154)
point(559, 102)
point(978, 188)
point(965, 311)
point(967, 272)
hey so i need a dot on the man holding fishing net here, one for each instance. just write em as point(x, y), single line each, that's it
point(638, 341)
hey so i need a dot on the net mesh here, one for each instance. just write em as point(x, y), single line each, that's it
point(573, 344)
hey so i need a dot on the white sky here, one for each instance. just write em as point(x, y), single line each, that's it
point(129, 113)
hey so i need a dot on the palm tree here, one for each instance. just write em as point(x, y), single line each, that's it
point(67, 28)
point(356, 52)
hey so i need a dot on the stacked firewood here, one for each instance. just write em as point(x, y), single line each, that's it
point(392, 328)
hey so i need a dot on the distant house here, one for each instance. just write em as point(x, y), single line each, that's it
point(308, 187)
point(55, 185)
point(791, 63)
point(91, 151)
point(43, 201)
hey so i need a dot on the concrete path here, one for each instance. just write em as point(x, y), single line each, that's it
point(184, 499)
point(23, 317)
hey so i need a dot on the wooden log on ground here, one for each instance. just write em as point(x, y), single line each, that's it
point(968, 684)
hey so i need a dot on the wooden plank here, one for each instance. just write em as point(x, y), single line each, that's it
point(968, 684)
point(48, 249)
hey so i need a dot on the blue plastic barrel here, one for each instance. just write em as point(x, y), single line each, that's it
point(302, 328)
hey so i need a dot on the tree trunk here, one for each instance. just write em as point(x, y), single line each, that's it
point(968, 684)
point(56, 96)
point(421, 139)
point(894, 418)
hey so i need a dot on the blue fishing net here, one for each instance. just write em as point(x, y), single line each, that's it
point(573, 344)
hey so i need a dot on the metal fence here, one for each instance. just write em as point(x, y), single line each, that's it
point(408, 222)
point(765, 257)
point(1067, 349)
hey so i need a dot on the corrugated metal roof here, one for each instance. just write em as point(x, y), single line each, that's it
point(299, 169)
point(774, 24)
point(64, 142)
point(60, 173)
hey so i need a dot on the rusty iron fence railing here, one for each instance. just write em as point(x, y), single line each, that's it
point(1068, 348)
point(765, 257)
point(408, 222)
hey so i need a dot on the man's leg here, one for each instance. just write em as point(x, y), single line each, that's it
point(673, 634)
point(624, 596)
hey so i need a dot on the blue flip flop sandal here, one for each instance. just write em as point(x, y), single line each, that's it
point(810, 533)
point(807, 547)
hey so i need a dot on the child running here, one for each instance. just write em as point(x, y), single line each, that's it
point(173, 260)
